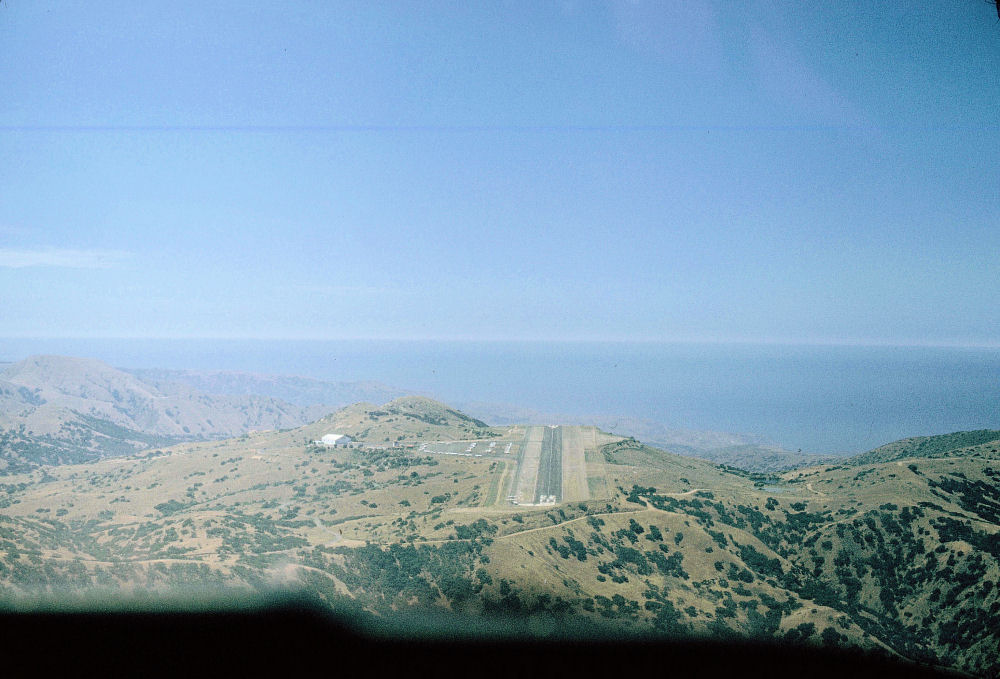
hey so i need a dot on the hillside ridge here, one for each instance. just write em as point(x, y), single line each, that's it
point(58, 409)
point(938, 445)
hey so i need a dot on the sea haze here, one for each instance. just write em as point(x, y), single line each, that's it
point(823, 399)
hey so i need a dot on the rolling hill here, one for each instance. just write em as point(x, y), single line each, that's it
point(959, 443)
point(899, 557)
point(55, 409)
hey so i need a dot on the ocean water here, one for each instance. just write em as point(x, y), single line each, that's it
point(824, 399)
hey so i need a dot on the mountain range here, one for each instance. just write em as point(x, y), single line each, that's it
point(57, 409)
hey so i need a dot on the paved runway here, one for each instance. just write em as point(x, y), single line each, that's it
point(549, 486)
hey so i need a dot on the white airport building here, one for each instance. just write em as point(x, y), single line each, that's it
point(334, 440)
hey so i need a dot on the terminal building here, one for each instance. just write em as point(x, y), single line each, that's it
point(334, 440)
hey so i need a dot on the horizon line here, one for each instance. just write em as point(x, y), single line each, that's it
point(526, 340)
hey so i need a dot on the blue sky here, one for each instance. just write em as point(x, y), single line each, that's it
point(774, 172)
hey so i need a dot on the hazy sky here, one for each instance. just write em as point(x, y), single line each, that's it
point(797, 171)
